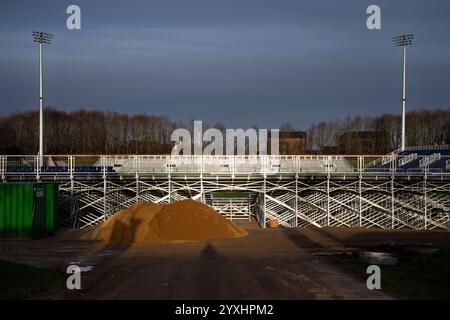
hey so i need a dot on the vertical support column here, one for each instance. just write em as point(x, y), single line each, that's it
point(202, 191)
point(328, 190)
point(296, 199)
point(393, 168)
point(393, 164)
point(360, 201)
point(169, 169)
point(137, 169)
point(71, 170)
point(425, 200)
point(264, 202)
point(103, 160)
point(249, 208)
point(41, 110)
point(360, 164)
point(3, 167)
point(328, 200)
point(73, 201)
point(392, 201)
point(404, 101)
point(361, 168)
point(38, 168)
point(231, 209)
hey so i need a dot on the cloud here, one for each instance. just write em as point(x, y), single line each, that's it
point(241, 62)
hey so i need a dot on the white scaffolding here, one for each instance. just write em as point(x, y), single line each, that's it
point(334, 191)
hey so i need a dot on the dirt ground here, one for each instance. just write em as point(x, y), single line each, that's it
point(267, 264)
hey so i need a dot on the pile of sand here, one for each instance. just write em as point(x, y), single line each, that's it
point(150, 222)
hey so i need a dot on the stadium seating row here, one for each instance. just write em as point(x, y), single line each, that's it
point(77, 169)
point(409, 161)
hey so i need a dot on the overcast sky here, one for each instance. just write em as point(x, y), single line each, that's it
point(242, 62)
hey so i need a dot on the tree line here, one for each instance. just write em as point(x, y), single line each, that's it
point(85, 132)
point(379, 134)
point(105, 132)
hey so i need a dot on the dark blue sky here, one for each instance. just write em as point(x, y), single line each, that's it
point(242, 62)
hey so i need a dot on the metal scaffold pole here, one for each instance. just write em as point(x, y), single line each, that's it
point(137, 179)
point(264, 203)
point(404, 101)
point(41, 116)
point(425, 200)
point(169, 183)
point(392, 201)
point(328, 193)
point(104, 188)
point(360, 200)
point(361, 166)
point(403, 41)
point(296, 200)
point(3, 168)
point(41, 38)
point(202, 191)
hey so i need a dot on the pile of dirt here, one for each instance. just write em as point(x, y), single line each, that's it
point(150, 222)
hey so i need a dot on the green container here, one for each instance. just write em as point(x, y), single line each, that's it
point(28, 210)
point(52, 206)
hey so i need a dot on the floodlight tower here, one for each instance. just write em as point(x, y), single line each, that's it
point(403, 41)
point(41, 37)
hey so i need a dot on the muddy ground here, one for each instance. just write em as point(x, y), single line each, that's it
point(267, 264)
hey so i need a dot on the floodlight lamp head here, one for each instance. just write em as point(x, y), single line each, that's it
point(42, 37)
point(403, 40)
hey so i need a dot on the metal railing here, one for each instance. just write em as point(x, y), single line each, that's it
point(103, 165)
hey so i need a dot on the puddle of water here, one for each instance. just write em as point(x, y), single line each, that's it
point(106, 253)
point(67, 250)
point(426, 250)
point(381, 258)
point(85, 268)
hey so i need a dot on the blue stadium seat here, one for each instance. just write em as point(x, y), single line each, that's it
point(414, 165)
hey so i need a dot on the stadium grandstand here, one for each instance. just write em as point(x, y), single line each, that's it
point(409, 189)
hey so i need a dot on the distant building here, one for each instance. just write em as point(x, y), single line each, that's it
point(292, 142)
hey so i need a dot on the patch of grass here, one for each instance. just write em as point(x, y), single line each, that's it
point(18, 281)
point(416, 276)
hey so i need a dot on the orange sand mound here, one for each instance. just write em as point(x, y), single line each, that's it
point(150, 222)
